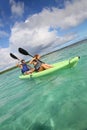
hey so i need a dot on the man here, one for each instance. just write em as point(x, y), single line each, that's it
point(25, 69)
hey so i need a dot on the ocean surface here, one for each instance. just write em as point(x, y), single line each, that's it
point(57, 101)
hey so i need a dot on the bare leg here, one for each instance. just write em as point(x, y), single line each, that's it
point(46, 66)
point(41, 68)
point(49, 66)
point(29, 72)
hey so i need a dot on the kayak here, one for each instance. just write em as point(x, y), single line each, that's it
point(56, 66)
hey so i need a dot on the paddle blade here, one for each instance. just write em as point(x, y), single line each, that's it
point(13, 56)
point(22, 51)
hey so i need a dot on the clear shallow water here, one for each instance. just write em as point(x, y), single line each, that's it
point(54, 102)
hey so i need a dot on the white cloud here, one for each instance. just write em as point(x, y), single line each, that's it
point(71, 16)
point(34, 34)
point(3, 34)
point(17, 8)
point(36, 40)
point(5, 59)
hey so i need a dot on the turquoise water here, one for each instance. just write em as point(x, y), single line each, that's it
point(54, 102)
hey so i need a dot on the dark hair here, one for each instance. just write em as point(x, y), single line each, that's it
point(22, 60)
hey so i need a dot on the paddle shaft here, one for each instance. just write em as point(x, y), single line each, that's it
point(22, 51)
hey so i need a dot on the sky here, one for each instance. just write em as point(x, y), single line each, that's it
point(39, 26)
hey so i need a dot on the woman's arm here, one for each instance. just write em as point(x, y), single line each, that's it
point(36, 57)
point(30, 62)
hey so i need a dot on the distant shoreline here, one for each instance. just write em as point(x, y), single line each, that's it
point(73, 44)
point(78, 42)
point(14, 67)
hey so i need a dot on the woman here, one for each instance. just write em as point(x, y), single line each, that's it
point(39, 65)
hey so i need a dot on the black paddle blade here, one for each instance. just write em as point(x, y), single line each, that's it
point(22, 51)
point(13, 56)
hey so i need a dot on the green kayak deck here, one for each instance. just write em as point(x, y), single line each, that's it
point(57, 66)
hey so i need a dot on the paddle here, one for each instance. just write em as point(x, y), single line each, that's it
point(22, 51)
point(13, 56)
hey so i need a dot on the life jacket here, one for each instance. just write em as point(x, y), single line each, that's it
point(25, 68)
